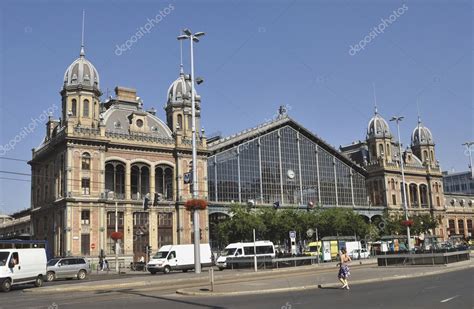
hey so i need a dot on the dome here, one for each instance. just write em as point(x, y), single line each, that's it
point(180, 90)
point(378, 127)
point(81, 72)
point(421, 135)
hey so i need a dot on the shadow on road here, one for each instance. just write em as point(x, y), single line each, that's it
point(130, 292)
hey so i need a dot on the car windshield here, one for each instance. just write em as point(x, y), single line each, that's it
point(52, 262)
point(228, 251)
point(3, 258)
point(161, 255)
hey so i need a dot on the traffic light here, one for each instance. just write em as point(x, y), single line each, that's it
point(200, 234)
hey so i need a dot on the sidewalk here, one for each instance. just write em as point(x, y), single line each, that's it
point(320, 278)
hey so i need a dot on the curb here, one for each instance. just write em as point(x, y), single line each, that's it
point(203, 279)
point(320, 286)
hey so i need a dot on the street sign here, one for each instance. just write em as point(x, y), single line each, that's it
point(92, 246)
point(293, 234)
point(310, 232)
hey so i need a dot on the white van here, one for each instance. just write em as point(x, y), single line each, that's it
point(245, 249)
point(20, 266)
point(178, 257)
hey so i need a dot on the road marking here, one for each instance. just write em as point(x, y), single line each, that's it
point(448, 299)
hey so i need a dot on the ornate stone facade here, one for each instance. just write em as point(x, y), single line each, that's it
point(99, 147)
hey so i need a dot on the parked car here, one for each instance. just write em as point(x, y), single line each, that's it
point(359, 254)
point(20, 266)
point(67, 268)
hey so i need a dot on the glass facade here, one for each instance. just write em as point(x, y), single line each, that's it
point(285, 166)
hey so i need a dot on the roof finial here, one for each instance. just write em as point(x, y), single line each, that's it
point(418, 108)
point(181, 70)
point(375, 99)
point(82, 54)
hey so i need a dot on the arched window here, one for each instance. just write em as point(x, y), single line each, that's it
point(164, 181)
point(74, 107)
point(413, 195)
point(381, 152)
point(388, 149)
point(392, 184)
point(140, 181)
point(85, 108)
point(432, 155)
point(86, 161)
point(189, 122)
point(180, 122)
point(425, 155)
point(115, 178)
point(424, 195)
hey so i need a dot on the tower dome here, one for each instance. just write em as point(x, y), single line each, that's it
point(378, 127)
point(81, 72)
point(180, 90)
point(421, 135)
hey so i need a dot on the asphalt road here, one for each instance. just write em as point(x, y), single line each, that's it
point(449, 290)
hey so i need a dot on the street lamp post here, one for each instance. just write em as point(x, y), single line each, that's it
point(469, 146)
point(187, 34)
point(398, 119)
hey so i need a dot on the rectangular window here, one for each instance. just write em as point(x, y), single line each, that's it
point(86, 186)
point(461, 226)
point(394, 199)
point(437, 201)
point(165, 229)
point(85, 217)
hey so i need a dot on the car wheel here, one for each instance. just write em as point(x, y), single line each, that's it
point(50, 276)
point(81, 275)
point(167, 270)
point(39, 281)
point(185, 270)
point(6, 285)
point(152, 271)
point(221, 268)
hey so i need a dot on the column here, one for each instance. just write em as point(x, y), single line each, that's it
point(215, 179)
point(335, 180)
point(281, 168)
point(238, 173)
point(299, 167)
point(128, 183)
point(317, 172)
point(153, 228)
point(352, 186)
point(419, 195)
point(260, 169)
point(128, 231)
point(152, 182)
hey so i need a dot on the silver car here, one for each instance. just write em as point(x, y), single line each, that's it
point(67, 268)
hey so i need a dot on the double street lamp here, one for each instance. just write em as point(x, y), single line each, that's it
point(469, 148)
point(398, 119)
point(194, 37)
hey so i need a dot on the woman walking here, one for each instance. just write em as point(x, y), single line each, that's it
point(344, 272)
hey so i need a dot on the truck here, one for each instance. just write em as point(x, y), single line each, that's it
point(21, 266)
point(178, 257)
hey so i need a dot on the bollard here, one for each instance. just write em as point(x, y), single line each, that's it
point(211, 278)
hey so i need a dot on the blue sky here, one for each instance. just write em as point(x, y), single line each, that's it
point(256, 55)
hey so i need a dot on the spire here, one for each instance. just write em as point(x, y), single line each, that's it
point(82, 53)
point(181, 70)
point(418, 109)
point(375, 100)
